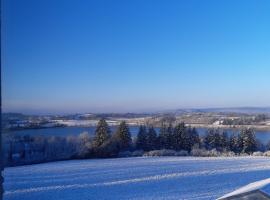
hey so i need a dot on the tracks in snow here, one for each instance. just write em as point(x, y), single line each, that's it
point(158, 177)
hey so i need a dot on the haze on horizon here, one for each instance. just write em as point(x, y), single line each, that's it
point(134, 56)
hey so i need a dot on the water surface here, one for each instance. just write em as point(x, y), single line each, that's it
point(263, 136)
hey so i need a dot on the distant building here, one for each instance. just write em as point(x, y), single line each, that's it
point(217, 123)
point(259, 190)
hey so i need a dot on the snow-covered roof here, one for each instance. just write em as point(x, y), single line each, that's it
point(262, 186)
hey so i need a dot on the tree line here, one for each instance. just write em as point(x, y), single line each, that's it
point(175, 138)
point(105, 143)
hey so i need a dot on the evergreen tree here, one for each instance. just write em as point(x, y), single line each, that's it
point(224, 141)
point(234, 143)
point(141, 138)
point(177, 136)
point(163, 136)
point(170, 140)
point(151, 139)
point(123, 136)
point(194, 137)
point(102, 133)
point(187, 139)
point(181, 138)
point(217, 140)
point(209, 140)
point(248, 140)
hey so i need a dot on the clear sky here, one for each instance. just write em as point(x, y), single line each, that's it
point(65, 56)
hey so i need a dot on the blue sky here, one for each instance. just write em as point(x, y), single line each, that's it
point(65, 56)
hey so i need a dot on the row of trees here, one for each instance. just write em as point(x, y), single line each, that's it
point(245, 120)
point(28, 150)
point(176, 138)
point(105, 144)
point(244, 142)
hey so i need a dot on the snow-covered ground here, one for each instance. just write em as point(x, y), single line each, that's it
point(87, 123)
point(134, 178)
point(83, 123)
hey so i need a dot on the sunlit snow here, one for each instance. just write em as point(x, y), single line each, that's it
point(134, 178)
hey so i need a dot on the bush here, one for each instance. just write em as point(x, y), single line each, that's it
point(228, 154)
point(198, 152)
point(182, 153)
point(214, 153)
point(205, 153)
point(244, 154)
point(166, 152)
point(258, 153)
point(83, 144)
point(267, 153)
point(163, 152)
point(137, 153)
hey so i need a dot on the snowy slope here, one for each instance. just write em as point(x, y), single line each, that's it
point(134, 178)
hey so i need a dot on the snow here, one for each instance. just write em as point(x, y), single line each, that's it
point(258, 185)
point(76, 122)
point(188, 178)
point(83, 123)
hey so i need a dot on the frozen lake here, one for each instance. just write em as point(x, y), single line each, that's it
point(134, 178)
point(263, 136)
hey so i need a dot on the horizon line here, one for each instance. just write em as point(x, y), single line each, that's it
point(139, 112)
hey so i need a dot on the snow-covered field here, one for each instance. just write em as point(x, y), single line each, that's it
point(87, 123)
point(134, 178)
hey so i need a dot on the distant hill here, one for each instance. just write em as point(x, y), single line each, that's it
point(244, 110)
point(14, 116)
point(238, 110)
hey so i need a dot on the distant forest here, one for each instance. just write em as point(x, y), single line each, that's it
point(179, 140)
